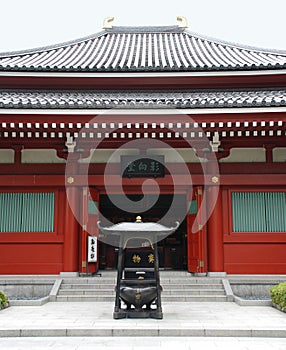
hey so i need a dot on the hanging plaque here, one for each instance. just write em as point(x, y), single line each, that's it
point(92, 249)
point(132, 166)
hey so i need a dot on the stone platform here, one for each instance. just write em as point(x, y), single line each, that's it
point(224, 319)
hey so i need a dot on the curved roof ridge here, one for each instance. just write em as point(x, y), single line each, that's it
point(144, 48)
point(146, 29)
point(129, 99)
point(114, 29)
point(235, 44)
point(53, 46)
point(143, 29)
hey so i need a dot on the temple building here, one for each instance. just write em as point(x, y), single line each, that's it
point(148, 119)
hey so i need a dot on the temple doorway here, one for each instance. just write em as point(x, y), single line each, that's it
point(172, 250)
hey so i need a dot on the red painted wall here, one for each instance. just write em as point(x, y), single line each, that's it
point(43, 253)
point(255, 258)
point(36, 252)
point(31, 258)
point(254, 252)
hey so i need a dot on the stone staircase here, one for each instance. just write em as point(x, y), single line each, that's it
point(178, 286)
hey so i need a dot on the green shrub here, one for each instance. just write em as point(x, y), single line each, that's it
point(3, 299)
point(278, 295)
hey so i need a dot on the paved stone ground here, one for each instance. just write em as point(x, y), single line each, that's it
point(148, 343)
point(180, 319)
point(185, 326)
point(139, 343)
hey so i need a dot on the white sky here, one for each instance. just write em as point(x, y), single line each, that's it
point(34, 23)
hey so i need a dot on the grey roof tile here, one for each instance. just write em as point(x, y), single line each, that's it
point(133, 49)
point(29, 99)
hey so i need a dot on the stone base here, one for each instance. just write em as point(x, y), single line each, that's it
point(69, 274)
point(244, 302)
point(90, 274)
point(157, 314)
point(216, 274)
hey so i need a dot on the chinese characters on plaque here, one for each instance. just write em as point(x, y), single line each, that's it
point(92, 249)
point(132, 166)
point(137, 258)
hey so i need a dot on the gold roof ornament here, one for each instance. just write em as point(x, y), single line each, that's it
point(107, 22)
point(183, 22)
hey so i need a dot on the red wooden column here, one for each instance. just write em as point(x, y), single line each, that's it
point(71, 235)
point(215, 224)
point(196, 239)
point(71, 225)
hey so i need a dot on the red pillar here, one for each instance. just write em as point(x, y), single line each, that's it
point(215, 233)
point(71, 235)
point(71, 225)
point(215, 221)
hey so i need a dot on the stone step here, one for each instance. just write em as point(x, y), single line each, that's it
point(108, 292)
point(190, 280)
point(174, 281)
point(194, 298)
point(163, 273)
point(84, 298)
point(87, 281)
point(176, 287)
point(109, 286)
point(193, 292)
point(165, 286)
point(95, 292)
point(221, 334)
point(165, 298)
point(191, 286)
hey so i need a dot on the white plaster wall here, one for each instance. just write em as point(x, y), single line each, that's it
point(41, 156)
point(245, 155)
point(6, 156)
point(279, 154)
point(108, 155)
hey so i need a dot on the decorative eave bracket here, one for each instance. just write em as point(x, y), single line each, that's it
point(70, 144)
point(215, 143)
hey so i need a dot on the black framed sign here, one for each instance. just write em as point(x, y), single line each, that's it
point(132, 166)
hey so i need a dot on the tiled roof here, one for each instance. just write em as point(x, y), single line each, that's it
point(135, 49)
point(29, 99)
